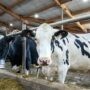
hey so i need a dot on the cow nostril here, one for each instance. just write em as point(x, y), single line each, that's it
point(44, 61)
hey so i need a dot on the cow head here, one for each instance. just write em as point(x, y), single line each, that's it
point(44, 35)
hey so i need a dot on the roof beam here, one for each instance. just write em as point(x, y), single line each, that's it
point(67, 11)
point(42, 9)
point(73, 12)
point(81, 11)
point(47, 7)
point(4, 24)
point(9, 11)
point(18, 17)
point(64, 1)
point(32, 19)
point(13, 5)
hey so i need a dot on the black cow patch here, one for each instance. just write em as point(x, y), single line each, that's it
point(89, 42)
point(67, 62)
point(64, 42)
point(58, 44)
point(67, 58)
point(52, 45)
point(67, 52)
point(76, 36)
point(81, 45)
point(76, 45)
point(67, 40)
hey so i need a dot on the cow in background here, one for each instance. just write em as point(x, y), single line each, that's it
point(59, 50)
point(15, 51)
point(4, 47)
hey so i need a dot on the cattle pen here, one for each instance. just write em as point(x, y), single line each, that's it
point(33, 83)
point(29, 55)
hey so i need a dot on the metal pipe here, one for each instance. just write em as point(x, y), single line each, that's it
point(23, 55)
point(18, 33)
point(75, 19)
point(62, 27)
point(14, 34)
point(23, 51)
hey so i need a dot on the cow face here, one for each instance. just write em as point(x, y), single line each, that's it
point(44, 35)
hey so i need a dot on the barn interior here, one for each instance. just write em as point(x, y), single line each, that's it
point(16, 13)
point(34, 12)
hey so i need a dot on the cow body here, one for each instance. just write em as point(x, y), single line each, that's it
point(79, 52)
point(15, 52)
point(60, 50)
point(4, 47)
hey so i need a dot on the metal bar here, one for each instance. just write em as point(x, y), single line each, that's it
point(23, 55)
point(18, 33)
point(14, 34)
point(75, 19)
point(23, 51)
point(62, 18)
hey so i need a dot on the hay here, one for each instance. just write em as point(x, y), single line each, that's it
point(10, 84)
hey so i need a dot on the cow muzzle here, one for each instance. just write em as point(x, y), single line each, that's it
point(44, 61)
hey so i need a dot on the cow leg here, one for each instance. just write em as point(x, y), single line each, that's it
point(62, 72)
point(15, 68)
point(28, 59)
point(49, 72)
point(27, 67)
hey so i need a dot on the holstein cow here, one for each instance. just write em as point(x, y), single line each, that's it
point(15, 52)
point(4, 46)
point(59, 50)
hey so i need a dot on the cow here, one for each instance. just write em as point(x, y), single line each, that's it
point(15, 52)
point(60, 50)
point(4, 46)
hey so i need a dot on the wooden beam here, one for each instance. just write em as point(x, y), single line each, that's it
point(9, 29)
point(9, 11)
point(67, 11)
point(64, 1)
point(13, 5)
point(2, 23)
point(47, 7)
point(85, 10)
point(32, 19)
point(19, 17)
point(42, 9)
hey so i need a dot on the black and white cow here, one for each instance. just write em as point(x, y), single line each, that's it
point(11, 46)
point(15, 53)
point(4, 46)
point(59, 50)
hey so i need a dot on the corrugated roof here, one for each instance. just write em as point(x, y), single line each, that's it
point(29, 7)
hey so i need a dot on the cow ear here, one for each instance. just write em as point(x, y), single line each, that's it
point(63, 33)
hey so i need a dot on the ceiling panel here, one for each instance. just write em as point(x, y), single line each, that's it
point(77, 5)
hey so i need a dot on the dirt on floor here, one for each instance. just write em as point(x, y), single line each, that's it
point(75, 79)
point(10, 84)
point(79, 78)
